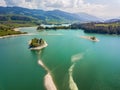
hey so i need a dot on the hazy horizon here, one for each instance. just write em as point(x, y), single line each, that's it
point(99, 8)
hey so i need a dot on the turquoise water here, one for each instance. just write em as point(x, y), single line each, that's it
point(74, 63)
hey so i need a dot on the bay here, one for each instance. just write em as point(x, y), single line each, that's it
point(74, 63)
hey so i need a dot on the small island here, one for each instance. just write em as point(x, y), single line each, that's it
point(92, 38)
point(37, 44)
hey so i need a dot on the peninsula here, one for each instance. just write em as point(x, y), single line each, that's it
point(7, 31)
point(100, 28)
point(37, 44)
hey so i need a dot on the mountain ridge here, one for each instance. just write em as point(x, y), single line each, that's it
point(114, 20)
point(53, 16)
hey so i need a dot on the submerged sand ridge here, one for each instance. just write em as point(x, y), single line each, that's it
point(48, 81)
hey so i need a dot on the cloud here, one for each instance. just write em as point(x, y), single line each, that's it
point(2, 3)
point(11, 2)
point(28, 0)
point(21, 3)
point(99, 8)
point(48, 4)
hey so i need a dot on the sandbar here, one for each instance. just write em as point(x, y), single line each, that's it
point(89, 38)
point(48, 81)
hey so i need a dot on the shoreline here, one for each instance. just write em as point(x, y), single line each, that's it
point(15, 35)
point(16, 29)
point(8, 36)
point(40, 47)
point(48, 80)
point(89, 38)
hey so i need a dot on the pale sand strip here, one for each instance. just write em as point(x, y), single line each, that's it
point(89, 38)
point(72, 84)
point(16, 29)
point(48, 81)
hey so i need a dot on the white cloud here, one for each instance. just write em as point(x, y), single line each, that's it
point(75, 6)
point(2, 3)
point(98, 9)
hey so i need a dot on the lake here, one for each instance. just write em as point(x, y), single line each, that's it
point(74, 63)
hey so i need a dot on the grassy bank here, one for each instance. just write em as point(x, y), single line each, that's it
point(9, 30)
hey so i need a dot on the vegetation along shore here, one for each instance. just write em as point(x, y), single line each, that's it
point(6, 31)
point(100, 28)
point(93, 27)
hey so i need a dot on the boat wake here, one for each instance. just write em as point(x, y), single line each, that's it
point(74, 59)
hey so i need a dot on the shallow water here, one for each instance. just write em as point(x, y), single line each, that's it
point(75, 63)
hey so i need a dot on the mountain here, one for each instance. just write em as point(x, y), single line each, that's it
point(54, 16)
point(115, 20)
point(16, 18)
point(88, 18)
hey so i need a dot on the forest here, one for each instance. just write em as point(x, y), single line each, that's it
point(101, 28)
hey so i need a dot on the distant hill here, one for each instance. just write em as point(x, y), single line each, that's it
point(55, 16)
point(88, 18)
point(13, 17)
point(113, 20)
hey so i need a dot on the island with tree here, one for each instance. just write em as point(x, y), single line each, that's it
point(37, 44)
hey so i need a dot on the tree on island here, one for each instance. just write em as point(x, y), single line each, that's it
point(40, 27)
point(93, 37)
point(36, 42)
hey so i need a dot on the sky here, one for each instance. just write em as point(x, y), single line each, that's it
point(100, 8)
